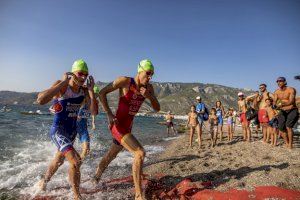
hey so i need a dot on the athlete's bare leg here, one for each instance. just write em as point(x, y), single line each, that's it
point(52, 168)
point(107, 158)
point(130, 143)
point(85, 150)
point(74, 171)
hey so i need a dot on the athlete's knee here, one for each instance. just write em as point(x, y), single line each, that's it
point(76, 163)
point(140, 153)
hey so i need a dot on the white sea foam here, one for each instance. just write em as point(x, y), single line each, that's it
point(172, 138)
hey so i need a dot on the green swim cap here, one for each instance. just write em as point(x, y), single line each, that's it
point(80, 65)
point(96, 89)
point(145, 65)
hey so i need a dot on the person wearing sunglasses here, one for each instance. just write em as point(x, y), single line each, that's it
point(132, 93)
point(285, 101)
point(68, 95)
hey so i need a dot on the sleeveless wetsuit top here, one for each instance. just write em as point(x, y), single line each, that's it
point(66, 110)
point(128, 107)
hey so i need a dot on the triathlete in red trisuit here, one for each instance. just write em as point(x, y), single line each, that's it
point(132, 92)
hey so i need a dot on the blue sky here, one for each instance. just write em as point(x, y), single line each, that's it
point(235, 43)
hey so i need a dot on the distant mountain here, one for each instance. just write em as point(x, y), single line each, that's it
point(176, 97)
point(20, 98)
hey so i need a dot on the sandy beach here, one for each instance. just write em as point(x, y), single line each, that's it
point(235, 164)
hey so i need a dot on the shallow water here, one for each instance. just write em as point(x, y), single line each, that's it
point(26, 151)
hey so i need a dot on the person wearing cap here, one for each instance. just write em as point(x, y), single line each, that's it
point(132, 93)
point(285, 101)
point(200, 109)
point(68, 95)
point(242, 105)
point(169, 118)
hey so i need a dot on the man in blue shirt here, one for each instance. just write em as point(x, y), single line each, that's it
point(202, 116)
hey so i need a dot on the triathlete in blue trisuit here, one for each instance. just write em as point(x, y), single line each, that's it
point(68, 95)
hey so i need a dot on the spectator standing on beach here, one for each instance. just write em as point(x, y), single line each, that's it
point(213, 126)
point(285, 100)
point(273, 121)
point(262, 113)
point(229, 116)
point(169, 118)
point(202, 116)
point(253, 99)
point(242, 104)
point(220, 113)
point(193, 123)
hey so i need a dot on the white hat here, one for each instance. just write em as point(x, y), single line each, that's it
point(198, 97)
point(240, 94)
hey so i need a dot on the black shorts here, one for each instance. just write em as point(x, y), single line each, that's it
point(273, 123)
point(255, 120)
point(287, 119)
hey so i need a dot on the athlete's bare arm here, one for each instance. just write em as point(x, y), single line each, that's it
point(47, 95)
point(119, 83)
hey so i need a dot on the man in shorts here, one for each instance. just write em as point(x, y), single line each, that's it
point(262, 113)
point(169, 118)
point(285, 100)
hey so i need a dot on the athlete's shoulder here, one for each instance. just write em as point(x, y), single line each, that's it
point(121, 81)
point(62, 90)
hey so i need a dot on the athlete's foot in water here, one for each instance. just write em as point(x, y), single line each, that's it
point(42, 184)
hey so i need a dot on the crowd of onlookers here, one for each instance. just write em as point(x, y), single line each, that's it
point(274, 114)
